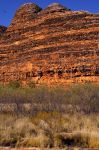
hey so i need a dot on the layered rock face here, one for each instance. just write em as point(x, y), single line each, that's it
point(54, 45)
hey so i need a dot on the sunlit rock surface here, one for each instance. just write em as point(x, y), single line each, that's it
point(53, 46)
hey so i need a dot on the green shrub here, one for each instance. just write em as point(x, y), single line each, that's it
point(31, 84)
point(14, 84)
point(77, 98)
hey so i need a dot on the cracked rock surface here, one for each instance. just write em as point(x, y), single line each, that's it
point(53, 45)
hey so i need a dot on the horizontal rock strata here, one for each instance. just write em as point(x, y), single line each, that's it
point(54, 45)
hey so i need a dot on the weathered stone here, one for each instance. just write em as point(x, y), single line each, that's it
point(2, 29)
point(54, 45)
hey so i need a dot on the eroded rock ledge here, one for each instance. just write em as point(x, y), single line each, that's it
point(54, 45)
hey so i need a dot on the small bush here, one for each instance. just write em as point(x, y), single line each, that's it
point(39, 141)
point(58, 141)
point(31, 84)
point(14, 84)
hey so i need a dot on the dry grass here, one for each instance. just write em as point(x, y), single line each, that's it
point(50, 130)
point(50, 117)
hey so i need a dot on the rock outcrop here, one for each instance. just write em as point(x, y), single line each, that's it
point(54, 45)
point(2, 30)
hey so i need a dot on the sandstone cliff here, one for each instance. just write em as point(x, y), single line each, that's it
point(54, 45)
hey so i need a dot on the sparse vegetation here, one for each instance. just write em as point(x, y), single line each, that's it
point(14, 84)
point(50, 117)
point(50, 130)
point(31, 84)
point(77, 98)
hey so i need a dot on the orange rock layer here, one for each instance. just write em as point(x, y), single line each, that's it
point(54, 45)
